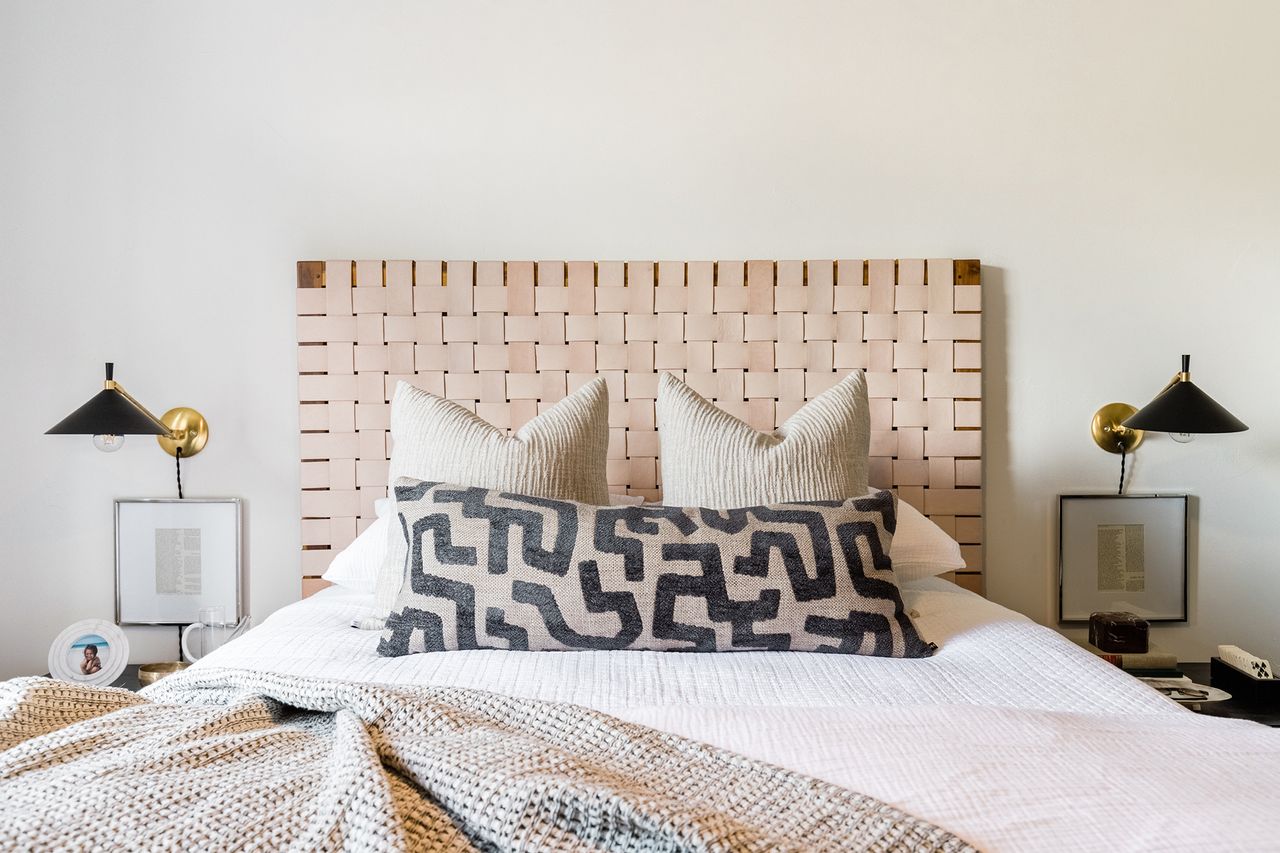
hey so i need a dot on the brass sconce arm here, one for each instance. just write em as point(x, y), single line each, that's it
point(112, 385)
point(185, 430)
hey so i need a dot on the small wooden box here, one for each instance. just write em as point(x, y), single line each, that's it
point(1118, 632)
point(1242, 686)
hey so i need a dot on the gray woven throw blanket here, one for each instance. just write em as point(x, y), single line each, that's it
point(230, 760)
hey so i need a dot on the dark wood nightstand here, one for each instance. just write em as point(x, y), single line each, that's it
point(1233, 708)
point(129, 679)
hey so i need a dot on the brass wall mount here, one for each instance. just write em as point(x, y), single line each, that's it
point(187, 430)
point(1109, 432)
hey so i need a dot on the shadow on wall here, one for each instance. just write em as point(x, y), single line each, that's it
point(1020, 540)
point(1006, 580)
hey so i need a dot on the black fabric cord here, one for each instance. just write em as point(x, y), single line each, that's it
point(1119, 491)
point(177, 456)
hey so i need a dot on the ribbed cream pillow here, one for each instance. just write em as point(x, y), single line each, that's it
point(712, 459)
point(560, 454)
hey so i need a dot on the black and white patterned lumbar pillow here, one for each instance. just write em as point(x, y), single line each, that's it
point(491, 569)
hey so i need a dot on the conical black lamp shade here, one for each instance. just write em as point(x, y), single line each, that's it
point(107, 413)
point(1184, 408)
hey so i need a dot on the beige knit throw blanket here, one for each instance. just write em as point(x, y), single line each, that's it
point(232, 760)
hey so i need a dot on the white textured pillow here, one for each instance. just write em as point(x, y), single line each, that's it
point(560, 454)
point(712, 459)
point(356, 566)
point(920, 548)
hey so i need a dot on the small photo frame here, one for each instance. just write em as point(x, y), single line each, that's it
point(1122, 553)
point(175, 557)
point(92, 651)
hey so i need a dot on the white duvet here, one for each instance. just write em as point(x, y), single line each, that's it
point(1010, 736)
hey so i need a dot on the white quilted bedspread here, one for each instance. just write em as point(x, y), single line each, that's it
point(1010, 736)
point(231, 760)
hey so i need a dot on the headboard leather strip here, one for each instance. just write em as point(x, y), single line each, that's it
point(509, 338)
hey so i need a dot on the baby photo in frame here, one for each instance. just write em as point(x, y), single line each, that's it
point(91, 651)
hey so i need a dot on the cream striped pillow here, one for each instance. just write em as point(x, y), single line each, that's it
point(560, 454)
point(712, 459)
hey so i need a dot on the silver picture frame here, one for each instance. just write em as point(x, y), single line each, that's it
point(138, 600)
point(1123, 553)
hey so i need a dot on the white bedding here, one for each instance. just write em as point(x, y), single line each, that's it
point(1010, 736)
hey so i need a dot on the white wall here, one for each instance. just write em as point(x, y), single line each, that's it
point(163, 165)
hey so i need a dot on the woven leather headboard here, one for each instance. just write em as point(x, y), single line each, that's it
point(507, 339)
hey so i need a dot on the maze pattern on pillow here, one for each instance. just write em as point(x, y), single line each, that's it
point(492, 569)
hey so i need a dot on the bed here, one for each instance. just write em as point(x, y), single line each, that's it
point(1008, 737)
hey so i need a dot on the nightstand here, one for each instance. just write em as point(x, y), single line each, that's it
point(1236, 709)
point(128, 679)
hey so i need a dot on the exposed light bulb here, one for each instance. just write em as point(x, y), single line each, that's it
point(1181, 437)
point(108, 443)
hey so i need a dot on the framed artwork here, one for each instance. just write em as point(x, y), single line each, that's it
point(92, 651)
point(1122, 552)
point(175, 557)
